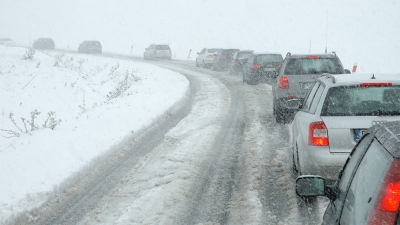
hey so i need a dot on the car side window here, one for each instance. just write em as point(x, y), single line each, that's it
point(310, 97)
point(317, 98)
point(363, 191)
point(203, 51)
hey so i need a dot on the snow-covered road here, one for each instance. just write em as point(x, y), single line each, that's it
point(216, 157)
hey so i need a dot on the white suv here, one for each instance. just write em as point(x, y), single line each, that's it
point(335, 115)
point(161, 51)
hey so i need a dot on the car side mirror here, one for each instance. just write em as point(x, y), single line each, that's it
point(347, 71)
point(294, 104)
point(310, 186)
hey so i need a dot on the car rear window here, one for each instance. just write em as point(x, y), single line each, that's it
point(268, 58)
point(362, 101)
point(162, 47)
point(302, 66)
point(213, 50)
point(244, 54)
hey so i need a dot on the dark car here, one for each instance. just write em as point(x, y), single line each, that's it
point(223, 58)
point(43, 43)
point(368, 188)
point(7, 42)
point(297, 76)
point(261, 67)
point(236, 66)
point(90, 47)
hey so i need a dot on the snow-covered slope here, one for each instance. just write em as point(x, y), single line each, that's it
point(85, 105)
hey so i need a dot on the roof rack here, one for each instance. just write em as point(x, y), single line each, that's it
point(288, 54)
point(328, 75)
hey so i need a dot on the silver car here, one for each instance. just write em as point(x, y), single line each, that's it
point(335, 115)
point(297, 76)
point(158, 51)
point(205, 58)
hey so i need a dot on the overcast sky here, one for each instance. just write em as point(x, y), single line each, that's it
point(353, 29)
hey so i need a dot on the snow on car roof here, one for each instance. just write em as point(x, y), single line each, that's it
point(370, 77)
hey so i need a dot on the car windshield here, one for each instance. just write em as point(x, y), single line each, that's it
point(362, 101)
point(162, 47)
point(269, 58)
point(302, 66)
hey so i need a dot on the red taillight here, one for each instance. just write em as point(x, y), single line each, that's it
point(209, 56)
point(283, 82)
point(313, 57)
point(376, 84)
point(255, 66)
point(387, 202)
point(279, 65)
point(236, 62)
point(318, 134)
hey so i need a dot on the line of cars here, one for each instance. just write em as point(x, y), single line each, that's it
point(344, 137)
point(344, 130)
point(49, 44)
point(254, 67)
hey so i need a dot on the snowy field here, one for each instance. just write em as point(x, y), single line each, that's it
point(59, 112)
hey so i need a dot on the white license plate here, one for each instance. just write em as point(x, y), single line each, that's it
point(306, 85)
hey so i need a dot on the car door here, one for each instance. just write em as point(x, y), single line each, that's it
point(246, 67)
point(200, 56)
point(334, 209)
point(303, 119)
point(364, 188)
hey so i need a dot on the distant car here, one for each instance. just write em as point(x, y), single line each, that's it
point(368, 187)
point(262, 67)
point(43, 43)
point(236, 66)
point(335, 115)
point(158, 51)
point(223, 58)
point(7, 42)
point(297, 76)
point(205, 57)
point(90, 47)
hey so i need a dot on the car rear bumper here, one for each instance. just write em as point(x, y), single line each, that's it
point(320, 161)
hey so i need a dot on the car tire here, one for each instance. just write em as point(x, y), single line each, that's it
point(197, 64)
point(295, 160)
point(280, 117)
point(203, 64)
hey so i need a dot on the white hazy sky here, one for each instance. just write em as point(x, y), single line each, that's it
point(354, 29)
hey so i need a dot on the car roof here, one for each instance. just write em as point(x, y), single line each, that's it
point(356, 79)
point(323, 55)
point(267, 53)
point(388, 134)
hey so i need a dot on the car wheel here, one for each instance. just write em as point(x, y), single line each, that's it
point(280, 117)
point(197, 64)
point(203, 64)
point(295, 161)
